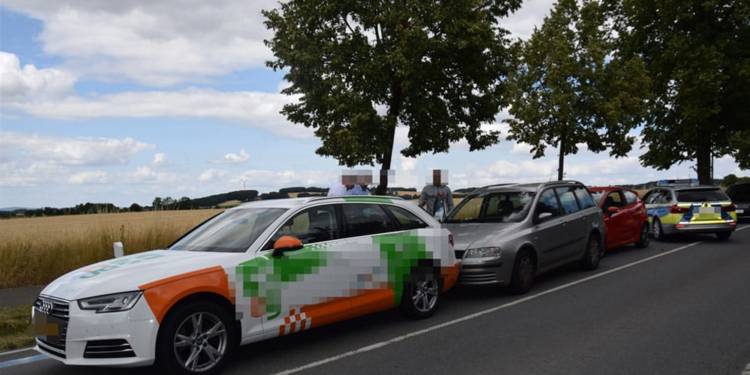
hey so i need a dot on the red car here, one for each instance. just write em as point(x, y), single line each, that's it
point(624, 214)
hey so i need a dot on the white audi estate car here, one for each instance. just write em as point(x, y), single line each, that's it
point(257, 271)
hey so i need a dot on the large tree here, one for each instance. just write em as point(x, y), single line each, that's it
point(362, 68)
point(570, 90)
point(697, 53)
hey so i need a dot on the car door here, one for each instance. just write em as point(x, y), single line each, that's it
point(574, 220)
point(634, 213)
point(550, 235)
point(303, 288)
point(616, 222)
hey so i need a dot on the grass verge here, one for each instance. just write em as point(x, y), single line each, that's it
point(15, 327)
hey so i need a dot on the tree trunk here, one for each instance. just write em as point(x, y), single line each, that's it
point(703, 162)
point(561, 160)
point(394, 108)
point(386, 162)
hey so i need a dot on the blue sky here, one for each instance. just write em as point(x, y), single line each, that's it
point(123, 101)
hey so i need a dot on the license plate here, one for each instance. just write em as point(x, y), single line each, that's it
point(44, 326)
point(707, 210)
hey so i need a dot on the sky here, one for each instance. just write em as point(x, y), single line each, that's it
point(122, 101)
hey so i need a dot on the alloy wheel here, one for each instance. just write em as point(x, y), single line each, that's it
point(200, 342)
point(425, 295)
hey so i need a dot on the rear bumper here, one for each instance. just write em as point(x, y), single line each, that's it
point(699, 228)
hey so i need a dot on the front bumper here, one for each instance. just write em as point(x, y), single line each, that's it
point(484, 273)
point(137, 328)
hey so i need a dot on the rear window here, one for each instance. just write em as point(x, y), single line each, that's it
point(406, 219)
point(739, 193)
point(701, 195)
point(584, 198)
point(630, 197)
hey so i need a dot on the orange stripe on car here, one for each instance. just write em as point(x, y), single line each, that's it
point(450, 276)
point(162, 294)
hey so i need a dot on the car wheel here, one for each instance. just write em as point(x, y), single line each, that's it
point(421, 295)
point(196, 338)
point(643, 240)
point(593, 253)
point(723, 235)
point(657, 230)
point(524, 271)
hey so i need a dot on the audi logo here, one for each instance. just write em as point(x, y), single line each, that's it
point(46, 306)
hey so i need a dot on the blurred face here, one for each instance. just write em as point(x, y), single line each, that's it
point(436, 177)
point(348, 180)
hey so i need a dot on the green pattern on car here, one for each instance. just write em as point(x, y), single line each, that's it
point(402, 251)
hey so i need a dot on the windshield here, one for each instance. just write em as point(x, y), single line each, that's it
point(507, 206)
point(232, 232)
point(701, 195)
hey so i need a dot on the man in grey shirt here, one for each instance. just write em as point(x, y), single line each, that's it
point(437, 198)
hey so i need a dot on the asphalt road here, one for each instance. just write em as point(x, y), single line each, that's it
point(677, 307)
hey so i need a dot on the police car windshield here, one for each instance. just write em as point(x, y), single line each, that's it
point(232, 231)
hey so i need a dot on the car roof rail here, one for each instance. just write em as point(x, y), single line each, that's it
point(322, 198)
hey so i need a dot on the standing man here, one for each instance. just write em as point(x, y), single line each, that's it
point(352, 183)
point(437, 199)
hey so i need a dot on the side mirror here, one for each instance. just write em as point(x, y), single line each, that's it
point(543, 216)
point(613, 210)
point(286, 243)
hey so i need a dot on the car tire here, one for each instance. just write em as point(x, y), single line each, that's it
point(524, 271)
point(201, 330)
point(723, 236)
point(657, 229)
point(643, 238)
point(421, 295)
point(593, 254)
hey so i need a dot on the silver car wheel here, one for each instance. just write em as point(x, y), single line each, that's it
point(425, 295)
point(200, 342)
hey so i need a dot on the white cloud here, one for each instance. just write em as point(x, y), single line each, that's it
point(89, 177)
point(408, 164)
point(160, 158)
point(21, 83)
point(211, 175)
point(521, 23)
point(521, 148)
point(70, 151)
point(152, 42)
point(146, 174)
point(256, 109)
point(239, 157)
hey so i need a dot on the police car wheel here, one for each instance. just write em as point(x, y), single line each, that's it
point(657, 230)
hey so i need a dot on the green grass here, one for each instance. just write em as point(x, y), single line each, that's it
point(15, 327)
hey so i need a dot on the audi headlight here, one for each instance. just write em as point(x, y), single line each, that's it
point(483, 252)
point(110, 302)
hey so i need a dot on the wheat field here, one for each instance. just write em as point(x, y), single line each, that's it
point(37, 250)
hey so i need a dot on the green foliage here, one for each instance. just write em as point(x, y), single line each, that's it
point(729, 180)
point(697, 54)
point(361, 68)
point(570, 88)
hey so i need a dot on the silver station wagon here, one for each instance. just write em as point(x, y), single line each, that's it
point(507, 234)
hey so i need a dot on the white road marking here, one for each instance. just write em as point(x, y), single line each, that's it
point(478, 314)
point(22, 361)
point(746, 371)
point(9, 352)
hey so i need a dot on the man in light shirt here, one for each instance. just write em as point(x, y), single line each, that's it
point(352, 183)
point(437, 198)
